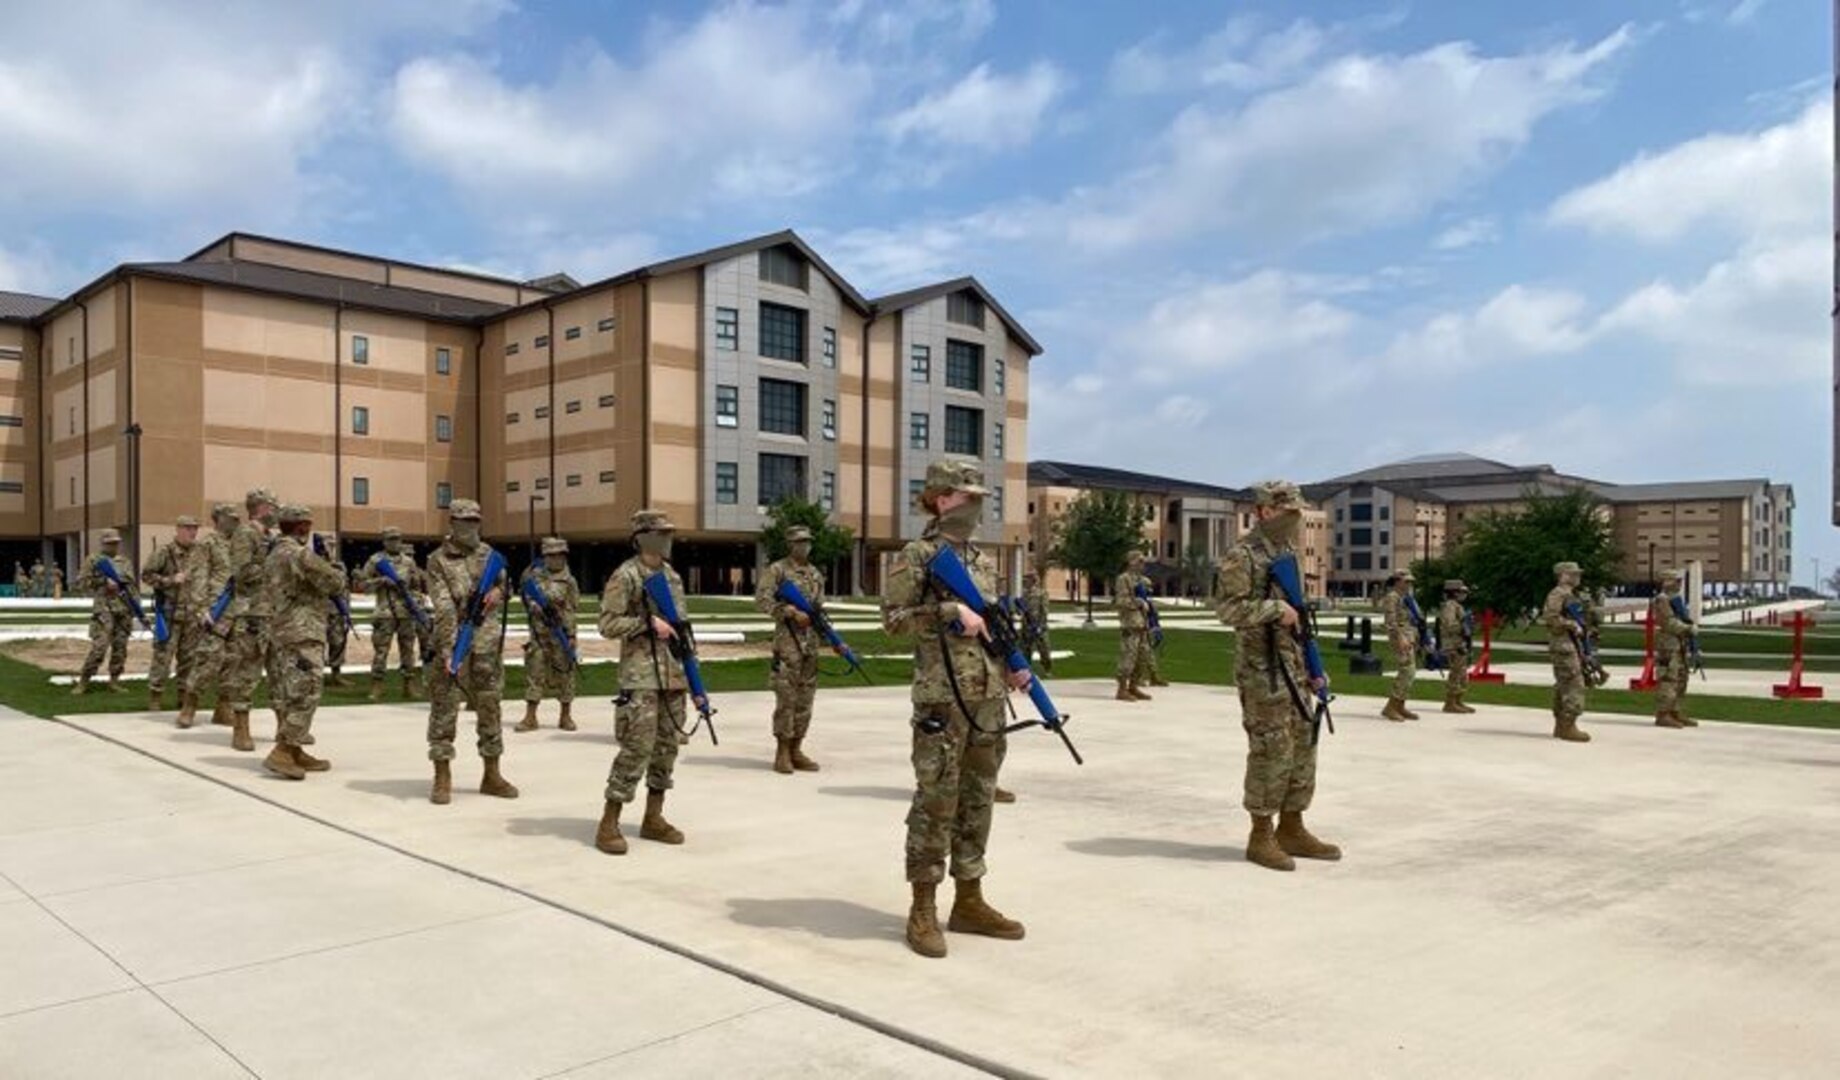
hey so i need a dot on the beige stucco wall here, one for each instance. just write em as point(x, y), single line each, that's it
point(266, 326)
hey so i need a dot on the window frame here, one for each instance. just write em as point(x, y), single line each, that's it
point(976, 417)
point(771, 396)
point(773, 340)
point(360, 491)
point(443, 361)
point(919, 431)
point(361, 420)
point(959, 353)
point(443, 494)
point(360, 350)
point(443, 428)
point(728, 328)
point(728, 474)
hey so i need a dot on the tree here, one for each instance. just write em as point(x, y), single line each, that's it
point(829, 543)
point(1507, 559)
point(1197, 570)
point(1832, 584)
point(1095, 534)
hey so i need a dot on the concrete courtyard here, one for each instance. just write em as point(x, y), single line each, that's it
point(1654, 903)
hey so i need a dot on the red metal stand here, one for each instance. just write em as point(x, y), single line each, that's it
point(1646, 680)
point(1480, 672)
point(1795, 688)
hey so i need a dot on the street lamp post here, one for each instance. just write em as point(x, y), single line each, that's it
point(534, 500)
point(1651, 562)
point(133, 434)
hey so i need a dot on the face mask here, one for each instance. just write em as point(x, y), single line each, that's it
point(267, 517)
point(962, 520)
point(555, 564)
point(801, 551)
point(394, 547)
point(1285, 528)
point(655, 543)
point(465, 533)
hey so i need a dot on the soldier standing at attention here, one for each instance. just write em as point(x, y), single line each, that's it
point(1035, 609)
point(338, 635)
point(207, 567)
point(245, 651)
point(959, 693)
point(652, 686)
point(1402, 634)
point(1133, 626)
point(1454, 630)
point(1671, 636)
point(110, 618)
point(454, 572)
point(211, 668)
point(547, 669)
point(164, 574)
point(36, 584)
point(390, 618)
point(1273, 683)
point(301, 582)
point(795, 650)
point(1564, 640)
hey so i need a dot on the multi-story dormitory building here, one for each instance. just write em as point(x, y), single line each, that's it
point(376, 391)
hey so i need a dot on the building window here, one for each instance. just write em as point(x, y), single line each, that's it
point(782, 407)
point(443, 362)
point(606, 476)
point(605, 325)
point(783, 265)
point(920, 363)
point(827, 491)
point(542, 342)
point(573, 333)
point(443, 429)
point(541, 412)
point(360, 349)
point(1361, 512)
point(830, 346)
point(511, 349)
point(1385, 512)
point(728, 328)
point(1338, 518)
point(542, 483)
point(572, 480)
point(996, 375)
point(606, 401)
point(511, 418)
point(728, 483)
point(965, 366)
point(996, 445)
point(443, 495)
point(1361, 537)
point(1338, 562)
point(1384, 561)
point(964, 431)
point(12, 421)
point(12, 487)
point(782, 332)
point(829, 420)
point(781, 476)
point(919, 430)
point(512, 486)
point(728, 406)
point(1360, 560)
point(360, 420)
point(965, 308)
point(572, 407)
point(996, 504)
point(914, 488)
point(360, 491)
point(1385, 537)
point(1339, 541)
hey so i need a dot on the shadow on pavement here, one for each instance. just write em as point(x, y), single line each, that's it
point(395, 788)
point(839, 919)
point(892, 794)
point(1134, 847)
point(1515, 733)
point(578, 829)
point(729, 761)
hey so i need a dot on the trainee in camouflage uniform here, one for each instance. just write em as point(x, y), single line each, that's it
point(338, 635)
point(1564, 639)
point(1672, 633)
point(653, 688)
point(208, 669)
point(957, 728)
point(1402, 635)
point(301, 583)
point(390, 618)
point(36, 583)
point(1133, 626)
point(1035, 609)
point(547, 670)
point(1454, 633)
point(245, 650)
point(1274, 686)
point(203, 568)
point(111, 621)
point(795, 650)
point(163, 574)
point(454, 570)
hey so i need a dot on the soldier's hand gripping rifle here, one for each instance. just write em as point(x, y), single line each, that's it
point(1288, 577)
point(682, 646)
point(339, 603)
point(544, 612)
point(475, 615)
point(423, 621)
point(1588, 659)
point(790, 594)
point(1694, 659)
point(106, 567)
point(999, 640)
point(162, 627)
point(1155, 621)
point(1433, 658)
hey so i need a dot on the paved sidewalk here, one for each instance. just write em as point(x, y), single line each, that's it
point(1656, 903)
point(154, 924)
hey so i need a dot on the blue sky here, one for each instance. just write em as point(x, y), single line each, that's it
point(1254, 243)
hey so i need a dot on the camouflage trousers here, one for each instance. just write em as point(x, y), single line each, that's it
point(159, 669)
point(1670, 676)
point(108, 636)
point(955, 785)
point(1568, 679)
point(1040, 654)
point(401, 631)
point(547, 673)
point(646, 727)
point(206, 670)
point(1149, 668)
point(300, 672)
point(1405, 663)
point(1280, 756)
point(794, 679)
point(480, 681)
point(337, 638)
point(244, 657)
point(178, 659)
point(1132, 645)
point(1456, 662)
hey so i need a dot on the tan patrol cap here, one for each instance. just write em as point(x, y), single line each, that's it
point(555, 545)
point(227, 510)
point(391, 532)
point(1455, 585)
point(110, 536)
point(186, 521)
point(260, 495)
point(948, 474)
point(294, 514)
point(1403, 575)
point(463, 510)
point(1567, 567)
point(644, 521)
point(798, 534)
point(1670, 575)
point(1278, 494)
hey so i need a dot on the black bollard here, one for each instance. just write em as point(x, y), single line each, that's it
point(1365, 662)
point(1348, 643)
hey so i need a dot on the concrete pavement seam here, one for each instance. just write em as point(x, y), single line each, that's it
point(662, 1039)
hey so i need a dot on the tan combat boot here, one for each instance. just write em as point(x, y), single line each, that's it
point(1684, 719)
point(239, 732)
point(1158, 680)
point(156, 699)
point(654, 826)
point(971, 915)
point(1003, 796)
point(308, 762)
point(188, 709)
point(1297, 841)
point(220, 713)
point(799, 760)
point(442, 792)
point(567, 721)
point(1262, 846)
point(782, 758)
point(607, 836)
point(412, 688)
point(1405, 711)
point(494, 783)
point(280, 761)
point(1135, 692)
point(529, 723)
point(1392, 711)
point(115, 686)
point(1666, 719)
point(1566, 728)
point(923, 934)
point(376, 688)
point(82, 686)
point(1124, 692)
point(1454, 703)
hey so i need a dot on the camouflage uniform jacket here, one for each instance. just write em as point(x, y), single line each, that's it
point(1399, 624)
point(453, 577)
point(1035, 603)
point(207, 568)
point(92, 582)
point(1668, 626)
point(646, 662)
point(787, 632)
point(564, 598)
point(161, 573)
point(1131, 614)
point(913, 605)
point(299, 583)
point(1246, 598)
point(1451, 631)
point(249, 548)
point(390, 603)
point(1559, 626)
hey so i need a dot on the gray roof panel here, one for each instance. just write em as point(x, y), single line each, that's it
point(24, 307)
point(1068, 474)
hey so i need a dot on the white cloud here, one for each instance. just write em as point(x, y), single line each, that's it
point(983, 110)
point(1516, 323)
point(31, 270)
point(1269, 316)
point(1237, 56)
point(886, 24)
point(1776, 180)
point(1736, 13)
point(1467, 233)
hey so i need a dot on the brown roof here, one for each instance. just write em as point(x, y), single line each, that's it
point(230, 238)
point(24, 307)
point(902, 300)
point(325, 288)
